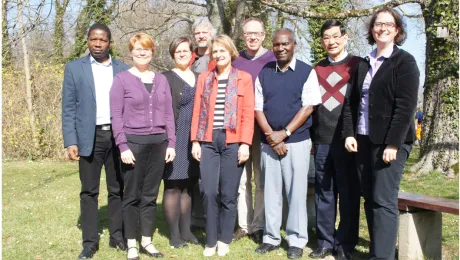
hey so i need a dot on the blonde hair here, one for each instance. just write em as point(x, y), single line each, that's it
point(228, 44)
point(144, 39)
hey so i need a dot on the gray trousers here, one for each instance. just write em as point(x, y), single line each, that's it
point(292, 170)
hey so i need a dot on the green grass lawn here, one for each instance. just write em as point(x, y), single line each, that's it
point(41, 211)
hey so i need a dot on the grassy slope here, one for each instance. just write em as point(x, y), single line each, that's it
point(41, 209)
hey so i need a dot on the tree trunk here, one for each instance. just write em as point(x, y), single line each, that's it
point(58, 35)
point(6, 48)
point(440, 122)
point(25, 52)
point(239, 19)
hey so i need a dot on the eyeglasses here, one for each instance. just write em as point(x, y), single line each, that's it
point(183, 51)
point(255, 34)
point(139, 51)
point(328, 39)
point(384, 25)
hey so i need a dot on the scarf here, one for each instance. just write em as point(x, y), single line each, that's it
point(231, 103)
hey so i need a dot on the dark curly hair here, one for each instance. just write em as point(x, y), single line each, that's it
point(400, 37)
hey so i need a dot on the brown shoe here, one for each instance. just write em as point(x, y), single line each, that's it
point(239, 234)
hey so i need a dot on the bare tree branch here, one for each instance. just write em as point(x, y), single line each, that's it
point(188, 2)
point(303, 12)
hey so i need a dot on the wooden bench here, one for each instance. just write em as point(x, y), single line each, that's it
point(420, 225)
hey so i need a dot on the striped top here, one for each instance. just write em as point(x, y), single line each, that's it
point(219, 109)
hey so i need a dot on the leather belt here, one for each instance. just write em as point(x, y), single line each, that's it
point(106, 127)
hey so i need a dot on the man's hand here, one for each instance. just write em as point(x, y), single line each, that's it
point(275, 137)
point(170, 155)
point(280, 149)
point(351, 145)
point(72, 152)
point(243, 153)
point(127, 157)
point(196, 151)
point(389, 154)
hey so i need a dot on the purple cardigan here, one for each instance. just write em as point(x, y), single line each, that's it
point(135, 111)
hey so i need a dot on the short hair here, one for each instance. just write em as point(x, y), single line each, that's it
point(144, 39)
point(100, 26)
point(333, 23)
point(254, 19)
point(228, 44)
point(204, 22)
point(177, 41)
point(400, 37)
point(291, 32)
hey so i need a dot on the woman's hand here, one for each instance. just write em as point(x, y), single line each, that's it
point(351, 145)
point(170, 155)
point(196, 151)
point(243, 153)
point(127, 157)
point(389, 154)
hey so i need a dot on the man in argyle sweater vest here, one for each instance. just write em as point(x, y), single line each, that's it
point(335, 175)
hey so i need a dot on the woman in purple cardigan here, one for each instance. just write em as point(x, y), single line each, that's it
point(144, 131)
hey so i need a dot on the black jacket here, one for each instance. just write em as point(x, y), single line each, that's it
point(392, 100)
point(176, 85)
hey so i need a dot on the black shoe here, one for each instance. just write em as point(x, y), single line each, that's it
point(320, 252)
point(265, 248)
point(294, 252)
point(132, 258)
point(341, 255)
point(258, 236)
point(87, 253)
point(155, 255)
point(239, 234)
point(118, 244)
point(178, 245)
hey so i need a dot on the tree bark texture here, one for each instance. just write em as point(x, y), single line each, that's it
point(6, 49)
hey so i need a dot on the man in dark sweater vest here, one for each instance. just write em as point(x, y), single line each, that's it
point(251, 220)
point(335, 171)
point(286, 92)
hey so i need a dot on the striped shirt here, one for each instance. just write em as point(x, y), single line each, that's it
point(219, 109)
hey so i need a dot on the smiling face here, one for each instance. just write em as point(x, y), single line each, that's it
point(283, 47)
point(182, 55)
point(141, 55)
point(221, 55)
point(384, 29)
point(99, 45)
point(254, 35)
point(333, 42)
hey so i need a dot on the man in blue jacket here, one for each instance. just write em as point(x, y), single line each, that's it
point(88, 137)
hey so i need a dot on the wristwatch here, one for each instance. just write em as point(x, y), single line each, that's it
point(288, 133)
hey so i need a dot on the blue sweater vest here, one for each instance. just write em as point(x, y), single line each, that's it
point(282, 93)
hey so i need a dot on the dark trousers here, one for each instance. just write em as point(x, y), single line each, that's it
point(142, 182)
point(336, 176)
point(220, 176)
point(104, 153)
point(380, 186)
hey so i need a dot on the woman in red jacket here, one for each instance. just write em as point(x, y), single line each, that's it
point(222, 129)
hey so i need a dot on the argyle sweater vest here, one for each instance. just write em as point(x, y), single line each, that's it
point(335, 83)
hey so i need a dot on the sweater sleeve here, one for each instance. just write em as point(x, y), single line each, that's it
point(169, 115)
point(197, 107)
point(247, 117)
point(117, 93)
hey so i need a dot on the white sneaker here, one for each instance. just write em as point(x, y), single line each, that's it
point(209, 251)
point(222, 248)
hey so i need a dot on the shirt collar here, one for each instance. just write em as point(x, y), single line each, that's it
point(291, 65)
point(386, 53)
point(94, 61)
point(341, 58)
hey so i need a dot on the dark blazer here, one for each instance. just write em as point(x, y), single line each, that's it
point(176, 84)
point(392, 100)
point(79, 103)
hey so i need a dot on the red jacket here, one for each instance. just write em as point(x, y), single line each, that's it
point(211, 64)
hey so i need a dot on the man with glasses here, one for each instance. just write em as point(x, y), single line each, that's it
point(203, 32)
point(335, 170)
point(251, 220)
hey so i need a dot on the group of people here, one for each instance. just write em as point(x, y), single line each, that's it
point(221, 118)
